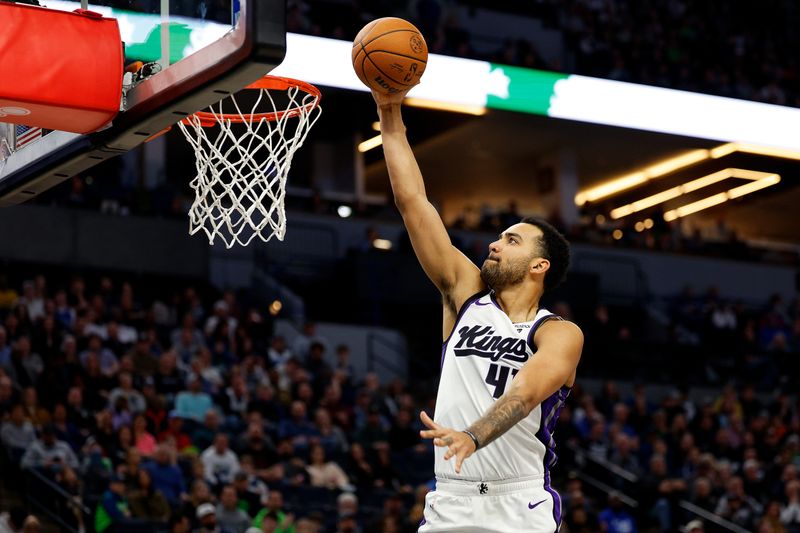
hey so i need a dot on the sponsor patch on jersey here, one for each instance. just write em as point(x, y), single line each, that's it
point(521, 326)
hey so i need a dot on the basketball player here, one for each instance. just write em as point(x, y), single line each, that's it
point(507, 364)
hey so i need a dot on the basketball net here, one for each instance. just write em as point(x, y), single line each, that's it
point(243, 159)
point(5, 145)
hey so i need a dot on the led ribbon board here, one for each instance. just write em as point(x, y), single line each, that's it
point(480, 84)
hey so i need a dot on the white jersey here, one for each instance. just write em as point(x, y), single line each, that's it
point(480, 358)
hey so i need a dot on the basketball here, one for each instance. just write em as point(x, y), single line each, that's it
point(389, 55)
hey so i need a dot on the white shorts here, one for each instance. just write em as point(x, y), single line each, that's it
point(501, 506)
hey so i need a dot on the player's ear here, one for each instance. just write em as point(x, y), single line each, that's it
point(540, 266)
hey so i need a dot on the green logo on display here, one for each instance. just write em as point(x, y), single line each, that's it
point(528, 91)
point(150, 50)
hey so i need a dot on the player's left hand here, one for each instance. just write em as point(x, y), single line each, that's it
point(458, 443)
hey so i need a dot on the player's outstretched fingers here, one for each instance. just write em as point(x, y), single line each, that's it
point(459, 459)
point(442, 436)
point(428, 421)
point(382, 99)
point(435, 431)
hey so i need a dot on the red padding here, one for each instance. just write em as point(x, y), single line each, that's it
point(64, 69)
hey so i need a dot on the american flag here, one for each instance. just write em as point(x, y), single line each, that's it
point(26, 134)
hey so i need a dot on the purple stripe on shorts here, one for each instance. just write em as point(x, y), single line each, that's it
point(556, 499)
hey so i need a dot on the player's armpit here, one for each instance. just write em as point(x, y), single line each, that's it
point(559, 344)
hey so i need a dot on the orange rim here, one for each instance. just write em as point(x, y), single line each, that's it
point(268, 82)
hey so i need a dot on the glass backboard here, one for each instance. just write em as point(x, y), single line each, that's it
point(194, 54)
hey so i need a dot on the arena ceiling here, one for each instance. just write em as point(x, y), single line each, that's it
point(504, 149)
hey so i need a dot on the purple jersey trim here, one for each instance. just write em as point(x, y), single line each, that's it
point(536, 326)
point(494, 301)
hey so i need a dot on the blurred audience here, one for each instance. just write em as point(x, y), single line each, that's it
point(269, 440)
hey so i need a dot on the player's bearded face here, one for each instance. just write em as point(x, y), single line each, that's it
point(506, 272)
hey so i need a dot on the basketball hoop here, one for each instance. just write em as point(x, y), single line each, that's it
point(243, 159)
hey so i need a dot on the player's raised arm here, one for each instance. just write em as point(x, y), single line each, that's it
point(450, 270)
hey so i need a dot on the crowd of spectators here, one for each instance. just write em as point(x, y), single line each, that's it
point(174, 414)
point(734, 50)
point(191, 414)
point(18, 519)
point(733, 454)
point(696, 338)
point(761, 343)
point(197, 417)
point(737, 50)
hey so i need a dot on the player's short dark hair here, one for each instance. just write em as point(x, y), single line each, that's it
point(555, 248)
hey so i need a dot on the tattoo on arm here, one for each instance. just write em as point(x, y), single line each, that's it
point(503, 415)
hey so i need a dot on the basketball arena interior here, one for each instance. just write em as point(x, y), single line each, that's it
point(199, 386)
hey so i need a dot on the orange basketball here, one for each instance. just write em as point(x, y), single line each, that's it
point(389, 55)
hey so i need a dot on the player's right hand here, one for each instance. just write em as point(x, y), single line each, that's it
point(458, 443)
point(383, 99)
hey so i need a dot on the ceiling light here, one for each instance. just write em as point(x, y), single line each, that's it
point(369, 144)
point(722, 150)
point(689, 186)
point(644, 203)
point(694, 207)
point(767, 150)
point(715, 177)
point(382, 244)
point(757, 149)
point(344, 211)
point(753, 186)
point(736, 192)
point(675, 163)
point(653, 171)
point(667, 166)
point(610, 188)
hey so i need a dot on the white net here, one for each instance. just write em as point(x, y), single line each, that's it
point(6, 142)
point(243, 161)
point(7, 139)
